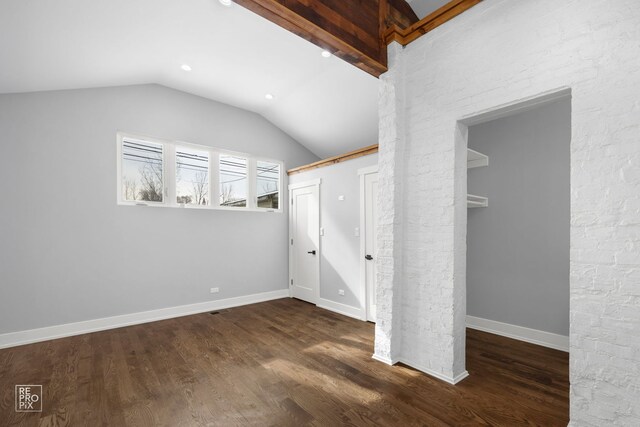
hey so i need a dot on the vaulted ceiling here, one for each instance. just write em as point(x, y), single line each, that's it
point(236, 57)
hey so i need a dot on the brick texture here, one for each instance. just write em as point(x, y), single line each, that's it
point(499, 52)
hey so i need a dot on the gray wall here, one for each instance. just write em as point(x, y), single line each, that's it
point(68, 253)
point(339, 247)
point(518, 247)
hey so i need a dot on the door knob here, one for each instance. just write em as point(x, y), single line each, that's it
point(312, 252)
point(368, 257)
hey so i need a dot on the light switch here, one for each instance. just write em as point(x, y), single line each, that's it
point(341, 197)
point(322, 231)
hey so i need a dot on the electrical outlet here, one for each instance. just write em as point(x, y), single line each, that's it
point(356, 231)
point(341, 198)
point(341, 292)
point(214, 290)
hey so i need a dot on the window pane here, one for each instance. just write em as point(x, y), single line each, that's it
point(192, 176)
point(233, 181)
point(142, 171)
point(268, 184)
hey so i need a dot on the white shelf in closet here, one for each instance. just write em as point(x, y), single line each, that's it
point(476, 160)
point(477, 201)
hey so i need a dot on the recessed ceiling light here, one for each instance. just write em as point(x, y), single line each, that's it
point(326, 53)
point(225, 2)
point(269, 96)
point(185, 67)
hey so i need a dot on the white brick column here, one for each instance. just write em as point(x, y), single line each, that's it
point(388, 336)
point(418, 236)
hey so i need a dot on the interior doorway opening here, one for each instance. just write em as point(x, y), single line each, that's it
point(518, 220)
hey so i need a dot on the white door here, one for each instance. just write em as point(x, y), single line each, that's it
point(305, 249)
point(370, 239)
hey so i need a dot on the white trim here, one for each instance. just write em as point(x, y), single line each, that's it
point(516, 107)
point(382, 359)
point(451, 380)
point(252, 185)
point(196, 208)
point(13, 339)
point(309, 183)
point(344, 309)
point(214, 179)
point(533, 336)
point(367, 170)
point(290, 240)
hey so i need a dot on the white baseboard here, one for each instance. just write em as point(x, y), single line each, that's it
point(533, 336)
point(13, 339)
point(436, 374)
point(339, 308)
point(383, 359)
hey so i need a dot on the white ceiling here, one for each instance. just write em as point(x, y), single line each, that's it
point(424, 7)
point(237, 57)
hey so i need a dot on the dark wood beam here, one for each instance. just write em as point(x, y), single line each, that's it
point(350, 29)
point(400, 14)
point(404, 36)
point(358, 31)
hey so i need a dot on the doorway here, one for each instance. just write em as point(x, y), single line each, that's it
point(304, 241)
point(518, 224)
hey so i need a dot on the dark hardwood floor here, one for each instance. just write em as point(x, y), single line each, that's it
point(279, 363)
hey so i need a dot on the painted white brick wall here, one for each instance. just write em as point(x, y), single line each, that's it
point(389, 257)
point(497, 53)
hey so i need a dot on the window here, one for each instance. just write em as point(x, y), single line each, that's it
point(192, 177)
point(267, 184)
point(142, 169)
point(233, 181)
point(156, 172)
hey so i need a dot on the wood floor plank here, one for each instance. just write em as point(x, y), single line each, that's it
point(278, 363)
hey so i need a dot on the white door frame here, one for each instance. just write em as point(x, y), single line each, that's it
point(311, 183)
point(363, 238)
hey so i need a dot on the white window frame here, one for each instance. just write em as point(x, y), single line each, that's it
point(169, 166)
point(175, 184)
point(247, 157)
point(255, 182)
point(121, 200)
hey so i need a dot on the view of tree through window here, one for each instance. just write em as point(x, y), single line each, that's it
point(268, 184)
point(192, 177)
point(142, 171)
point(233, 181)
point(200, 172)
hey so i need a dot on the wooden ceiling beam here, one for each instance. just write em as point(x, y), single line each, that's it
point(371, 149)
point(325, 27)
point(358, 31)
point(349, 29)
point(398, 13)
point(404, 36)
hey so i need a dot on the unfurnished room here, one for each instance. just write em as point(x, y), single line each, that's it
point(320, 212)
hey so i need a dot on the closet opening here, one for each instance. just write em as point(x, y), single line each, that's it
point(518, 228)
